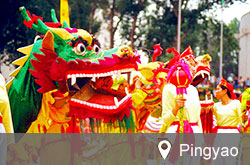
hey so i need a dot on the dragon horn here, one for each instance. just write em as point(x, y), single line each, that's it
point(65, 25)
point(53, 16)
point(37, 24)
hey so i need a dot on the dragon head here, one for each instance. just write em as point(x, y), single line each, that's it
point(67, 59)
point(199, 66)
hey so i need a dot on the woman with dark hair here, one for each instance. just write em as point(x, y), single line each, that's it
point(228, 111)
point(229, 117)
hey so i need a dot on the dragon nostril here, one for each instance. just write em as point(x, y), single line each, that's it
point(125, 55)
point(89, 48)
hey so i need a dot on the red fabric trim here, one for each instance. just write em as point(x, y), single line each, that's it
point(178, 123)
point(227, 127)
point(1, 119)
point(187, 126)
point(174, 155)
point(207, 104)
point(215, 130)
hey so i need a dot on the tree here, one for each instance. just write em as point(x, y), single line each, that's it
point(210, 43)
point(160, 26)
point(231, 49)
point(130, 21)
point(116, 10)
point(15, 35)
point(82, 14)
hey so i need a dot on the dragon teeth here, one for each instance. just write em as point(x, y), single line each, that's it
point(73, 79)
point(93, 79)
point(202, 74)
point(126, 90)
point(116, 101)
point(116, 73)
point(69, 76)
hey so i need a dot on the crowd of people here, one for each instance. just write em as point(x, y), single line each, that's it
point(208, 85)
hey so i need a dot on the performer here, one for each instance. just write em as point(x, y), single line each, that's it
point(190, 101)
point(228, 116)
point(182, 114)
point(6, 125)
point(245, 108)
point(228, 111)
point(171, 107)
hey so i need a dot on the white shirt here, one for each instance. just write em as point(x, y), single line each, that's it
point(192, 107)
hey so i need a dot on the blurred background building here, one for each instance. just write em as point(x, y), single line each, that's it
point(244, 41)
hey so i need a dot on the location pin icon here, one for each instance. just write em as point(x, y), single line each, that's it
point(164, 147)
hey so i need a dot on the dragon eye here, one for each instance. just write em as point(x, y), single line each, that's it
point(96, 48)
point(80, 49)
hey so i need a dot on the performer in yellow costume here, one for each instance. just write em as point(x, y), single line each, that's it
point(172, 104)
point(228, 111)
point(190, 101)
point(182, 114)
point(245, 107)
point(228, 115)
point(6, 125)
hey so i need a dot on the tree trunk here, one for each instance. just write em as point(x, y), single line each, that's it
point(111, 29)
point(132, 33)
point(93, 8)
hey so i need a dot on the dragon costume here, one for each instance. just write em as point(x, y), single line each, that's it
point(64, 77)
point(154, 77)
point(245, 107)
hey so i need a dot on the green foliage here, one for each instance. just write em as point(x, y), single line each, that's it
point(210, 43)
point(80, 14)
point(158, 25)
